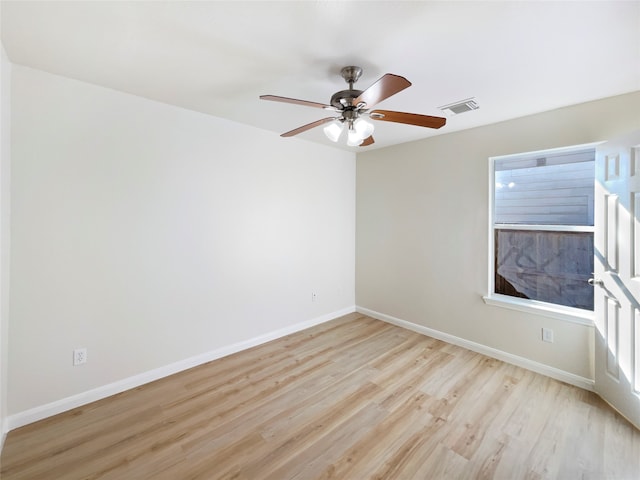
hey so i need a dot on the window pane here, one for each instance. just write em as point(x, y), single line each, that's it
point(545, 190)
point(550, 267)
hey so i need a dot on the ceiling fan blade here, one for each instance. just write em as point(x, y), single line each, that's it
point(308, 126)
point(389, 84)
point(368, 141)
point(408, 118)
point(295, 101)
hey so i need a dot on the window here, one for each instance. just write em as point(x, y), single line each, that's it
point(542, 230)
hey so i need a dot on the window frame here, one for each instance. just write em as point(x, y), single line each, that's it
point(561, 312)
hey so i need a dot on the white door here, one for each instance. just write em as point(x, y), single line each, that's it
point(617, 275)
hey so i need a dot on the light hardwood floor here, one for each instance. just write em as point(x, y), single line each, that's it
point(354, 398)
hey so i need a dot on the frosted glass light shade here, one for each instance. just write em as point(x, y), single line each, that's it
point(353, 138)
point(333, 131)
point(364, 128)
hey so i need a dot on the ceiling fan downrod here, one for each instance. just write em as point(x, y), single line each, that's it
point(351, 75)
point(343, 100)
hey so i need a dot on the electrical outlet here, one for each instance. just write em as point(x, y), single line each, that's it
point(79, 356)
point(314, 296)
point(547, 335)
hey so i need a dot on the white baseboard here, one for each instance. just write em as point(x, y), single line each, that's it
point(563, 376)
point(44, 411)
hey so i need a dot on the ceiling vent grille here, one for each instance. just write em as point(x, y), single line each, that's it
point(462, 106)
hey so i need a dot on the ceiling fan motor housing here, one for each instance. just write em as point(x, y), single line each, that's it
point(344, 98)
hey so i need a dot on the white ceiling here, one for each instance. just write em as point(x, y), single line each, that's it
point(515, 58)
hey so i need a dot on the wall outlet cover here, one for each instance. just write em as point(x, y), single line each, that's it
point(79, 356)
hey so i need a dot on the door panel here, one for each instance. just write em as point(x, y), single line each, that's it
point(611, 222)
point(611, 337)
point(635, 236)
point(617, 265)
point(636, 356)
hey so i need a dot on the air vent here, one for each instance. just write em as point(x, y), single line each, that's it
point(460, 107)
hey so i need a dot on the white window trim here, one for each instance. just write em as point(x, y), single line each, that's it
point(545, 228)
point(561, 312)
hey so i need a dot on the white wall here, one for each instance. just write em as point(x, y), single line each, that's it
point(150, 234)
point(422, 213)
point(5, 164)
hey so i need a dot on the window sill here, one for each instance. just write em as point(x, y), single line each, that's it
point(574, 315)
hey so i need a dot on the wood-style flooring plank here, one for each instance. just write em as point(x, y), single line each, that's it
point(354, 398)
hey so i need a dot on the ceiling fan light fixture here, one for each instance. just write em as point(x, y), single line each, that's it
point(354, 138)
point(364, 128)
point(334, 130)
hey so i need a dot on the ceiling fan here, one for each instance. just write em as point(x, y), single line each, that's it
point(354, 106)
